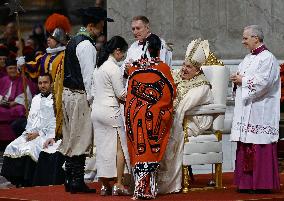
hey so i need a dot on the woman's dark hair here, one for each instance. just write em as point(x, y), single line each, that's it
point(154, 45)
point(116, 42)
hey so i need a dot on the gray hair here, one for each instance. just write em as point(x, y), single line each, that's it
point(256, 30)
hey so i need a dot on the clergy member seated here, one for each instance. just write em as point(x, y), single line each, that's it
point(21, 155)
point(12, 100)
point(4, 53)
point(193, 89)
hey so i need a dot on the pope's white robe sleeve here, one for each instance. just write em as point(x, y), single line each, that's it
point(257, 84)
point(195, 97)
point(41, 117)
point(86, 54)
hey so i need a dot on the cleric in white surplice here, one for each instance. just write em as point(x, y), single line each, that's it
point(21, 155)
point(256, 116)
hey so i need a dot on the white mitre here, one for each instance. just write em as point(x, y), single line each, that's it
point(197, 52)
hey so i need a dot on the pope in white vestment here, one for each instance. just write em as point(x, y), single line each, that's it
point(193, 89)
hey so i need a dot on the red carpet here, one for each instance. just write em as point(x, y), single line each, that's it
point(57, 193)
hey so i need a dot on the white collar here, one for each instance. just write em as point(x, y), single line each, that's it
point(55, 50)
point(111, 58)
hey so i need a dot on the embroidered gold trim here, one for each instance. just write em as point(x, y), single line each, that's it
point(184, 85)
point(212, 60)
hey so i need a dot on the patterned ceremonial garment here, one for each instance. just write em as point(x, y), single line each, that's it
point(148, 113)
point(53, 63)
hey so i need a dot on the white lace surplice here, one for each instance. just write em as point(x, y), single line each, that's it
point(257, 104)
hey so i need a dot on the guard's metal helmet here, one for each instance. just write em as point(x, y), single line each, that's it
point(59, 35)
point(58, 26)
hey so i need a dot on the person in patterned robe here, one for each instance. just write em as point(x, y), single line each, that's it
point(148, 117)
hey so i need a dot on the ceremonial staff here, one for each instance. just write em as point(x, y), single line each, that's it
point(15, 7)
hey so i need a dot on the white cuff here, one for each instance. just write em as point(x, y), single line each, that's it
point(20, 60)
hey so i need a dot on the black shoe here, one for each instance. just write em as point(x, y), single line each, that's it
point(68, 173)
point(248, 191)
point(77, 184)
point(262, 191)
point(80, 188)
point(19, 185)
point(66, 186)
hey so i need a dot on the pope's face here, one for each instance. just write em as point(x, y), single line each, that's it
point(188, 71)
point(140, 30)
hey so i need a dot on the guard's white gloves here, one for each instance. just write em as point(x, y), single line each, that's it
point(20, 61)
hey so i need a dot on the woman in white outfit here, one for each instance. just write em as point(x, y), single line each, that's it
point(110, 139)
